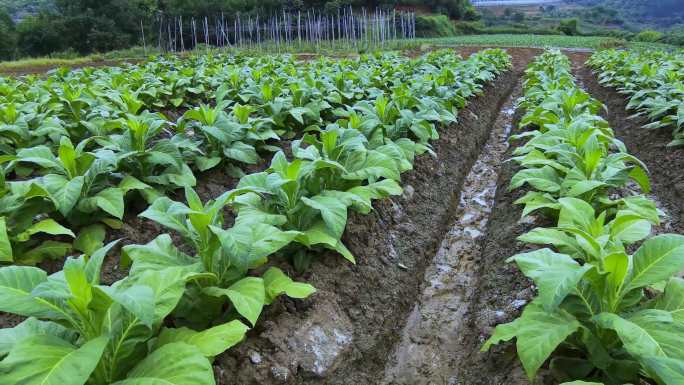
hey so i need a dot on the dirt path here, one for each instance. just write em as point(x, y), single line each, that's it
point(665, 164)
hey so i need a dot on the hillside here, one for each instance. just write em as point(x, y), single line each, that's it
point(18, 9)
point(654, 13)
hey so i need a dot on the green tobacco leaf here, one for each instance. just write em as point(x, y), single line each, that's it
point(156, 255)
point(555, 237)
point(276, 283)
point(247, 295)
point(111, 201)
point(31, 327)
point(249, 244)
point(647, 333)
point(538, 334)
point(137, 299)
point(16, 284)
point(658, 259)
point(576, 212)
point(543, 179)
point(46, 226)
point(319, 234)
point(49, 360)
point(46, 250)
point(172, 364)
point(669, 370)
point(629, 228)
point(555, 274)
point(581, 383)
point(210, 342)
point(63, 192)
point(169, 214)
point(672, 299)
point(129, 183)
point(333, 211)
point(90, 239)
point(6, 254)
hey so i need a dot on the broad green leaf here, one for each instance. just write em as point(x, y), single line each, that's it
point(333, 211)
point(33, 327)
point(559, 239)
point(16, 285)
point(129, 183)
point(319, 234)
point(276, 283)
point(63, 192)
point(672, 299)
point(137, 299)
point(538, 334)
point(6, 254)
point(210, 342)
point(647, 333)
point(46, 226)
point(658, 259)
point(629, 228)
point(247, 295)
point(169, 214)
point(669, 370)
point(156, 255)
point(46, 250)
point(249, 244)
point(90, 239)
point(111, 201)
point(543, 179)
point(555, 274)
point(172, 364)
point(576, 212)
point(584, 186)
point(49, 360)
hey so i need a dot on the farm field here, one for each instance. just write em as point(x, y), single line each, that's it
point(466, 215)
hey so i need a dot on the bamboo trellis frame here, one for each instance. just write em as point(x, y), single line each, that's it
point(348, 26)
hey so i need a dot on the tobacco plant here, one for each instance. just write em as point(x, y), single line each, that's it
point(221, 259)
point(80, 331)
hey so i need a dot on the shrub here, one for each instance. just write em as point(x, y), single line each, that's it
point(649, 36)
point(434, 26)
point(569, 27)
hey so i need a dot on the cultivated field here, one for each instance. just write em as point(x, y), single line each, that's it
point(467, 215)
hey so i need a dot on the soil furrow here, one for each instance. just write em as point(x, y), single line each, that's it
point(430, 349)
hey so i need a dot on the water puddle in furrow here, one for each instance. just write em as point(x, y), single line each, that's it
point(428, 351)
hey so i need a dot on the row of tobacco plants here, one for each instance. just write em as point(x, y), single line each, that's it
point(79, 148)
point(610, 307)
point(652, 79)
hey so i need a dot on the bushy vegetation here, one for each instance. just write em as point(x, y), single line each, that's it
point(606, 311)
point(653, 80)
point(86, 26)
point(434, 26)
point(81, 149)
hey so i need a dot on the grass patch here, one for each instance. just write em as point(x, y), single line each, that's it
point(514, 40)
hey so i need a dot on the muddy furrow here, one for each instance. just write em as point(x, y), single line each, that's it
point(430, 343)
point(665, 164)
